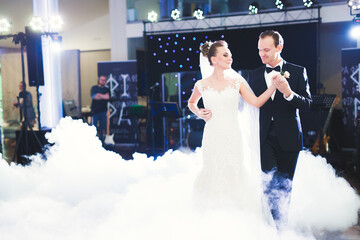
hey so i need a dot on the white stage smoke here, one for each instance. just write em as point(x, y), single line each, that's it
point(81, 191)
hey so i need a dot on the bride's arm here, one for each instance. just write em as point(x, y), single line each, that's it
point(252, 99)
point(192, 105)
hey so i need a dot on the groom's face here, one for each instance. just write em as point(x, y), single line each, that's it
point(268, 53)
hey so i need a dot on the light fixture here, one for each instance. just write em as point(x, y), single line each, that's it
point(279, 4)
point(253, 8)
point(308, 3)
point(37, 24)
point(152, 16)
point(4, 25)
point(175, 14)
point(56, 23)
point(198, 14)
point(56, 43)
point(355, 32)
point(354, 4)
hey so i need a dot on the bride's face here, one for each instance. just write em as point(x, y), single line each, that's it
point(223, 58)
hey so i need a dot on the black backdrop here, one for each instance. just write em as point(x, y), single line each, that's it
point(179, 52)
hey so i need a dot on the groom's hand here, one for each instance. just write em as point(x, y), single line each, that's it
point(282, 85)
point(205, 114)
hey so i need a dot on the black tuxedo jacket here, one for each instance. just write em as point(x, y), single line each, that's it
point(285, 113)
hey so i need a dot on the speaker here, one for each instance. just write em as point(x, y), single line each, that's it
point(34, 58)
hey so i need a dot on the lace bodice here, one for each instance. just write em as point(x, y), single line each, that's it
point(223, 102)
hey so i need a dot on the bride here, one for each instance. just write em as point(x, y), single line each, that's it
point(231, 173)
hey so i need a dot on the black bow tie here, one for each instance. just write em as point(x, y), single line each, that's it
point(269, 69)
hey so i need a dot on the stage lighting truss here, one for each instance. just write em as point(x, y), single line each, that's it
point(253, 9)
point(308, 3)
point(4, 25)
point(175, 14)
point(198, 14)
point(152, 16)
point(243, 20)
point(279, 4)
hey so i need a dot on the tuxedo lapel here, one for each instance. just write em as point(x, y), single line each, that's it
point(262, 81)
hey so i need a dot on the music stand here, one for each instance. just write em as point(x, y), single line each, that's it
point(165, 110)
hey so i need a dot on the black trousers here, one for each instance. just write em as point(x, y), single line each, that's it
point(273, 156)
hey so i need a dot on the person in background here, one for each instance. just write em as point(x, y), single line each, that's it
point(100, 96)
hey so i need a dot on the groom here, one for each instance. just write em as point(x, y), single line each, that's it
point(281, 136)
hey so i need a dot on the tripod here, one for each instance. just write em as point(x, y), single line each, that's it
point(20, 38)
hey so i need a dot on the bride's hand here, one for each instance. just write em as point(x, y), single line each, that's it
point(205, 114)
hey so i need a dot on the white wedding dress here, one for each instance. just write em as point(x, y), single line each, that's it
point(225, 178)
point(231, 174)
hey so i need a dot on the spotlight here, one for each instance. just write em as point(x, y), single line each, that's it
point(4, 25)
point(355, 32)
point(56, 44)
point(56, 23)
point(152, 16)
point(253, 8)
point(198, 14)
point(37, 24)
point(279, 4)
point(354, 4)
point(308, 3)
point(175, 14)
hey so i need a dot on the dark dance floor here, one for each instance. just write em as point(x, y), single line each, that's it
point(344, 163)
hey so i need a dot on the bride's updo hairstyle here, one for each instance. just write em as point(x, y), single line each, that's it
point(209, 49)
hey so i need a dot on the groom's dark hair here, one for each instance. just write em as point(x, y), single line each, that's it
point(278, 39)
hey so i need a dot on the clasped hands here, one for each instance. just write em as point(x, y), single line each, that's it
point(281, 84)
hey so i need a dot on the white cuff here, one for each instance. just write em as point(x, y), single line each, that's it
point(290, 97)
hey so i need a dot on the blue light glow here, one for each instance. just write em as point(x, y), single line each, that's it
point(190, 67)
point(154, 54)
point(222, 36)
point(175, 43)
point(174, 51)
point(182, 49)
point(167, 44)
point(167, 64)
point(165, 51)
point(181, 66)
point(190, 49)
point(160, 46)
point(183, 38)
point(159, 39)
point(187, 59)
point(173, 61)
point(169, 38)
point(177, 35)
point(206, 37)
point(355, 32)
point(159, 61)
point(194, 38)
